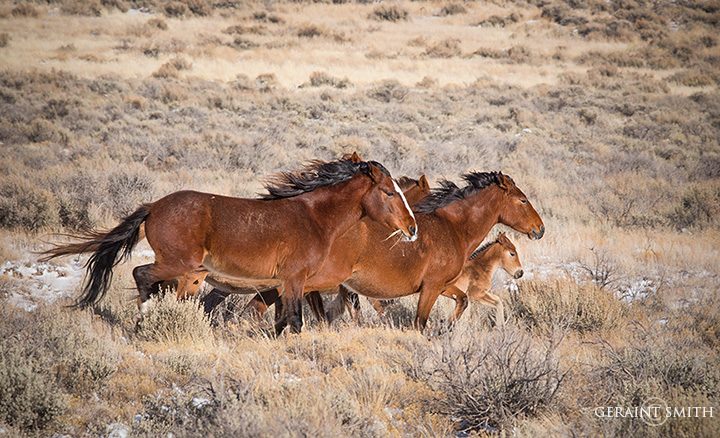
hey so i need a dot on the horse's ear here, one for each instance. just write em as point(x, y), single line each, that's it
point(423, 183)
point(375, 173)
point(354, 157)
point(504, 181)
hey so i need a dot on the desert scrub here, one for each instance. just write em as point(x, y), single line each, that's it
point(29, 397)
point(389, 13)
point(170, 320)
point(452, 9)
point(48, 356)
point(697, 207)
point(564, 304)
point(388, 90)
point(320, 79)
point(447, 48)
point(488, 381)
point(26, 206)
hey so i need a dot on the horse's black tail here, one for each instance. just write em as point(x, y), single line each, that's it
point(105, 248)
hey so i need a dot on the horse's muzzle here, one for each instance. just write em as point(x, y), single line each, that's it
point(537, 234)
point(412, 229)
point(518, 274)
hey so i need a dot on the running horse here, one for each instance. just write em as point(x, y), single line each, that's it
point(454, 221)
point(344, 253)
point(284, 236)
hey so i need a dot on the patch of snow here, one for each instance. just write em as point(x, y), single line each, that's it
point(40, 281)
point(117, 430)
point(199, 402)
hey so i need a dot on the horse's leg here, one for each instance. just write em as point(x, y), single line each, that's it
point(352, 302)
point(291, 300)
point(461, 302)
point(261, 302)
point(495, 301)
point(146, 281)
point(213, 299)
point(316, 305)
point(428, 296)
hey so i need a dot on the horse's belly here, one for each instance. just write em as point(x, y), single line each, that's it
point(374, 287)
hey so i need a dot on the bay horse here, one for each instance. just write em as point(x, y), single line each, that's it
point(344, 251)
point(474, 284)
point(455, 221)
point(285, 235)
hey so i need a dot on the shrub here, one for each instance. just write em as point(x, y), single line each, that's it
point(175, 9)
point(127, 189)
point(550, 305)
point(452, 9)
point(172, 68)
point(698, 207)
point(29, 397)
point(26, 206)
point(447, 48)
point(157, 23)
point(388, 90)
point(319, 79)
point(171, 320)
point(4, 39)
point(489, 381)
point(91, 8)
point(310, 31)
point(695, 78)
point(389, 13)
point(24, 10)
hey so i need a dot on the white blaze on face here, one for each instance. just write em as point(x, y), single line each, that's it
point(407, 206)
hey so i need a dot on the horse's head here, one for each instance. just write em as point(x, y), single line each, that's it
point(414, 189)
point(385, 201)
point(509, 258)
point(517, 212)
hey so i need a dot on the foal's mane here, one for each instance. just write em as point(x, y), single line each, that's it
point(482, 248)
point(448, 192)
point(315, 174)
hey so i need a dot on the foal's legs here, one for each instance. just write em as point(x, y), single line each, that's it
point(495, 301)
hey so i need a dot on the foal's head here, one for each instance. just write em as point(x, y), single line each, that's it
point(385, 201)
point(509, 258)
point(516, 211)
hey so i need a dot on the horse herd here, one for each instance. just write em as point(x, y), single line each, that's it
point(342, 225)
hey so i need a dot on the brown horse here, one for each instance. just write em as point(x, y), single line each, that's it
point(284, 236)
point(344, 252)
point(455, 221)
point(474, 283)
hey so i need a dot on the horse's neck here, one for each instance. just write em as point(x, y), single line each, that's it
point(472, 224)
point(337, 208)
point(485, 264)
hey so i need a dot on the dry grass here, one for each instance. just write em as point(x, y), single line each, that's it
point(604, 113)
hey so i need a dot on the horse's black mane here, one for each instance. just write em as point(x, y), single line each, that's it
point(449, 191)
point(316, 174)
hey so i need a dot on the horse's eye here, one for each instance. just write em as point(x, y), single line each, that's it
point(512, 254)
point(524, 201)
point(390, 194)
